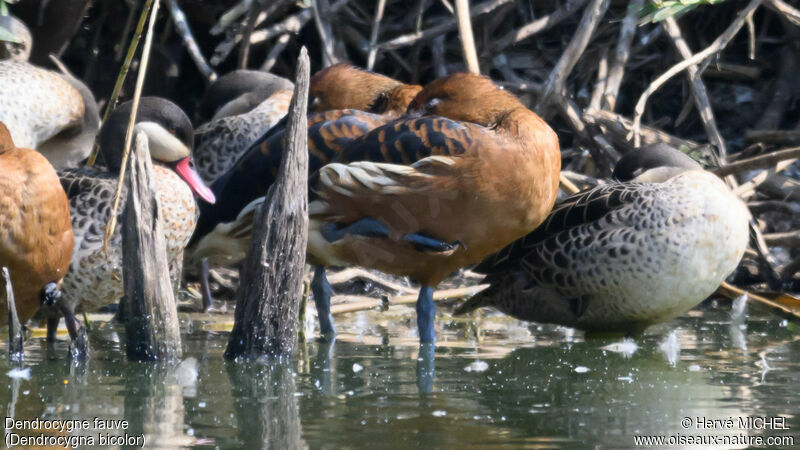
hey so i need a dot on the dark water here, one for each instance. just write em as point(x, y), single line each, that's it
point(518, 386)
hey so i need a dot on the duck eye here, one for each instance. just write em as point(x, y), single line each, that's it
point(172, 130)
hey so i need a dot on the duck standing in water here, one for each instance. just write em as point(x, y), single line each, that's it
point(622, 256)
point(35, 231)
point(51, 113)
point(94, 279)
point(344, 103)
point(477, 171)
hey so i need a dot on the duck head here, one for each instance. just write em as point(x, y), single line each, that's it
point(343, 86)
point(465, 97)
point(238, 92)
point(72, 145)
point(169, 134)
point(654, 163)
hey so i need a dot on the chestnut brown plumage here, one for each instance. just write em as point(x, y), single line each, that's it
point(343, 86)
point(477, 171)
point(35, 231)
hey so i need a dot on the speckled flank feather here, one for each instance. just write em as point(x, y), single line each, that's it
point(220, 143)
point(94, 281)
point(36, 104)
point(621, 256)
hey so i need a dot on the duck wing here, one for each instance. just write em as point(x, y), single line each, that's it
point(579, 210)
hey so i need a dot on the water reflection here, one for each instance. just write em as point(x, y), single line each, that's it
point(536, 386)
point(265, 405)
point(426, 368)
point(153, 400)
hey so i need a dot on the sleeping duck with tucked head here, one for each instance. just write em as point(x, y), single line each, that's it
point(622, 256)
point(425, 196)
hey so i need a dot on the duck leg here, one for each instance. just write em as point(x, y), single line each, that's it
point(322, 299)
point(16, 351)
point(367, 227)
point(426, 367)
point(426, 311)
point(79, 346)
point(205, 288)
point(428, 244)
point(52, 329)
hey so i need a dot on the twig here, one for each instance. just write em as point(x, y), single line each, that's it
point(230, 16)
point(445, 26)
point(600, 84)
point(467, 38)
point(537, 26)
point(619, 127)
point(352, 273)
point(406, 299)
point(785, 137)
point(699, 92)
point(324, 30)
point(765, 259)
point(762, 206)
point(179, 19)
point(275, 52)
point(123, 73)
point(252, 15)
point(137, 93)
point(438, 53)
point(757, 162)
point(731, 291)
point(621, 53)
point(558, 76)
point(567, 185)
point(779, 6)
point(745, 190)
point(127, 28)
point(291, 24)
point(791, 268)
point(581, 178)
point(373, 35)
point(718, 45)
point(781, 92)
point(786, 238)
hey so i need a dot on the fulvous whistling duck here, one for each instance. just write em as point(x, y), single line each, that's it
point(94, 280)
point(51, 113)
point(476, 172)
point(239, 92)
point(35, 232)
point(329, 133)
point(622, 256)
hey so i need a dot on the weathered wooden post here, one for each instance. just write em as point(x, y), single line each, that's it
point(16, 351)
point(151, 327)
point(265, 323)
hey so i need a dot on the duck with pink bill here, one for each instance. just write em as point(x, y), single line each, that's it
point(94, 280)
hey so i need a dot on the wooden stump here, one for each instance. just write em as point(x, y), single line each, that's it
point(151, 326)
point(16, 351)
point(265, 323)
